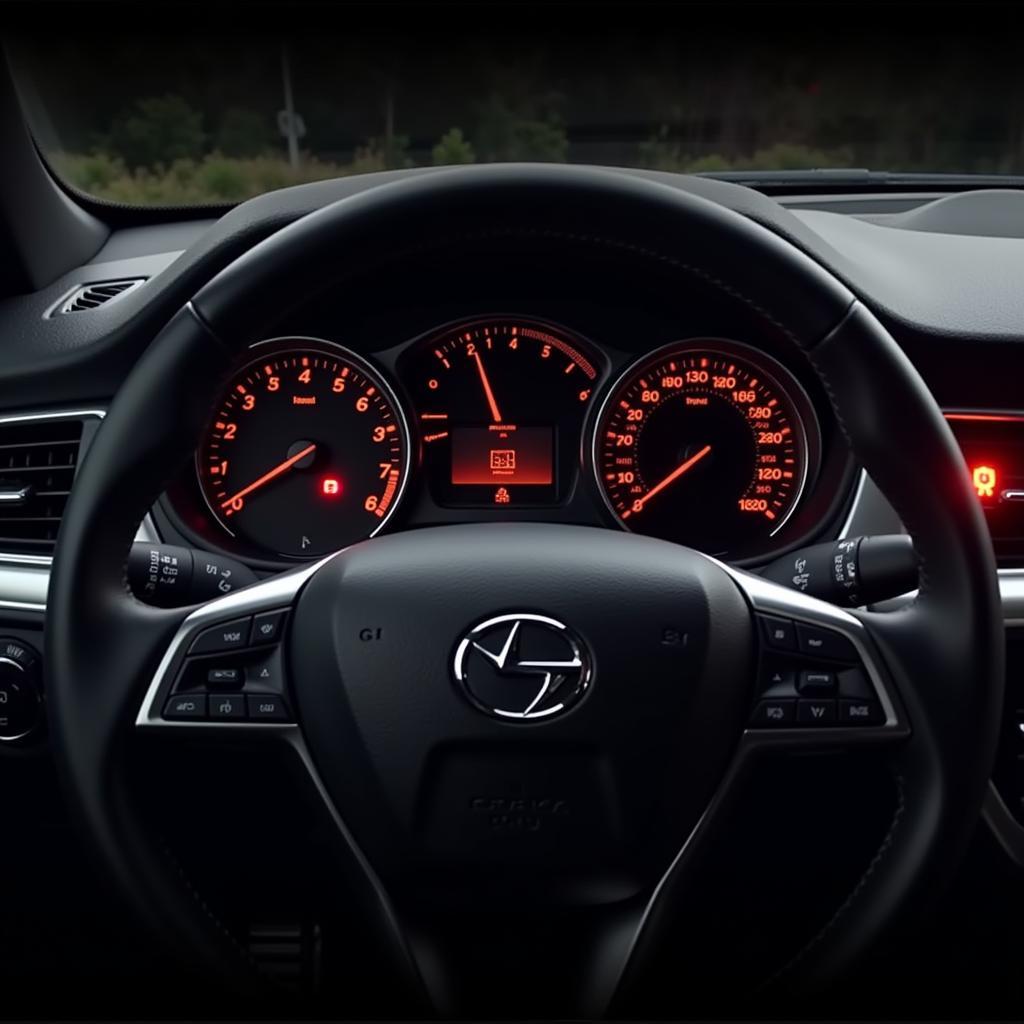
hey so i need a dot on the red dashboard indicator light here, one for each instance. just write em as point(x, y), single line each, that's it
point(984, 480)
point(330, 487)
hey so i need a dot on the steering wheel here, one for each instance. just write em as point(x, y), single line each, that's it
point(652, 727)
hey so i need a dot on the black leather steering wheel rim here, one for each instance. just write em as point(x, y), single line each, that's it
point(945, 650)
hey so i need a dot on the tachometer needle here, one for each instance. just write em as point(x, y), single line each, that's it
point(674, 475)
point(280, 468)
point(487, 388)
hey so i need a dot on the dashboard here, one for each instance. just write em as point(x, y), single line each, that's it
point(322, 438)
point(522, 382)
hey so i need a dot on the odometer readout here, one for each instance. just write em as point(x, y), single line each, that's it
point(702, 444)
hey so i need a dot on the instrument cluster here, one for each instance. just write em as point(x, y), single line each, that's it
point(705, 441)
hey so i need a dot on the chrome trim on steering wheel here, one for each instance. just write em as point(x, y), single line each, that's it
point(773, 599)
point(273, 593)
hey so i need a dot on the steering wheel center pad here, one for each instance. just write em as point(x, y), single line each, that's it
point(593, 797)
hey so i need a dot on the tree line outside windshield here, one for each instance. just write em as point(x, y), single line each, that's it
point(217, 119)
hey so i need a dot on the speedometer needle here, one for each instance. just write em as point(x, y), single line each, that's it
point(280, 468)
point(674, 475)
point(487, 387)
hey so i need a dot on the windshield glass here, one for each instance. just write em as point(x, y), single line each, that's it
point(217, 118)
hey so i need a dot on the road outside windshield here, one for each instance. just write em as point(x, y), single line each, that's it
point(217, 118)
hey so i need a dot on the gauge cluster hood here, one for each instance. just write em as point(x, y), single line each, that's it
point(931, 283)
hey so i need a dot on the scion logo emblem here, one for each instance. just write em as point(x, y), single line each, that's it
point(522, 666)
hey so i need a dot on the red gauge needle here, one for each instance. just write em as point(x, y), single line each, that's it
point(674, 475)
point(282, 467)
point(487, 388)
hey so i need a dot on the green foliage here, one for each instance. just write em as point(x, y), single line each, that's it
point(366, 160)
point(222, 178)
point(790, 156)
point(539, 140)
point(709, 164)
point(219, 178)
point(157, 131)
point(385, 154)
point(93, 173)
point(453, 148)
point(663, 153)
point(159, 152)
point(203, 128)
point(243, 133)
point(214, 179)
point(533, 131)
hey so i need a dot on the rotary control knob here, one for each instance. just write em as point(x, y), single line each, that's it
point(20, 704)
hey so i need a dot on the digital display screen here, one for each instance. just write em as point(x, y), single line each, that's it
point(502, 454)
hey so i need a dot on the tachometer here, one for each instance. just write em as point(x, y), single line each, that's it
point(501, 403)
point(308, 450)
point(704, 443)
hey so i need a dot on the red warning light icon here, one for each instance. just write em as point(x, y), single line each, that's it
point(984, 480)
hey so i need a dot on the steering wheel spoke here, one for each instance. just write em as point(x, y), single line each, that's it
point(224, 669)
point(821, 681)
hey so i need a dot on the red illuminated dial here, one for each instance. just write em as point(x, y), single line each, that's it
point(500, 404)
point(307, 451)
point(704, 443)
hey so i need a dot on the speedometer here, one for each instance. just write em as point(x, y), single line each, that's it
point(704, 443)
point(307, 450)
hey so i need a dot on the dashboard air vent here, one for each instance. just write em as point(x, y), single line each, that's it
point(38, 459)
point(89, 296)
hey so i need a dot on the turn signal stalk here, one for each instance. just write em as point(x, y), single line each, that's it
point(852, 572)
point(167, 575)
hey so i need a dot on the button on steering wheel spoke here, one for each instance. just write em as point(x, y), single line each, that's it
point(224, 669)
point(820, 681)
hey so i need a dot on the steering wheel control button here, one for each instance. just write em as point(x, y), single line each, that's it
point(220, 677)
point(267, 627)
point(228, 636)
point(227, 706)
point(854, 684)
point(267, 707)
point(778, 633)
point(824, 643)
point(774, 714)
point(777, 682)
point(186, 707)
point(816, 712)
point(814, 682)
point(860, 712)
point(267, 673)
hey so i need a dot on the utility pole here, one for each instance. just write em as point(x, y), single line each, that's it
point(290, 125)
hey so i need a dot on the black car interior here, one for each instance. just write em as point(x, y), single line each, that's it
point(516, 590)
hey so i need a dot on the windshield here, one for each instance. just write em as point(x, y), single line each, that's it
point(218, 118)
